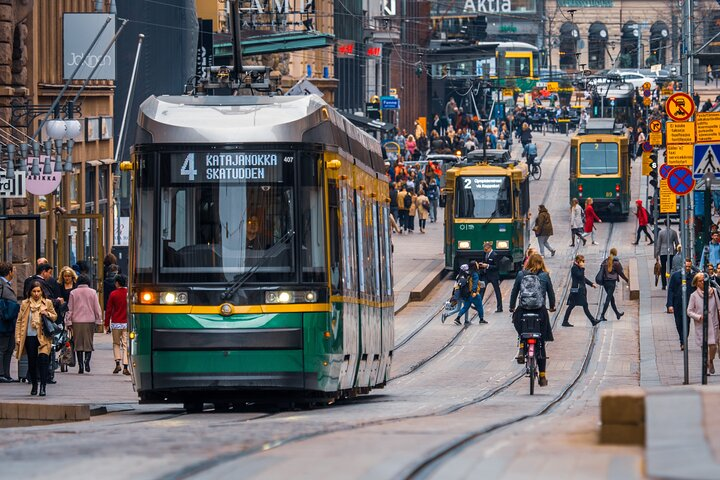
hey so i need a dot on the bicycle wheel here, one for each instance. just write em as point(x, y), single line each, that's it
point(536, 172)
point(533, 371)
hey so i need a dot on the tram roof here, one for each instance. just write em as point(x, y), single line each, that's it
point(251, 119)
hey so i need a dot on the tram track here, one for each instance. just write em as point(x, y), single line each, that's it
point(204, 465)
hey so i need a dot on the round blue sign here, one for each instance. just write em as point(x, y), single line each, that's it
point(647, 147)
point(665, 170)
point(680, 180)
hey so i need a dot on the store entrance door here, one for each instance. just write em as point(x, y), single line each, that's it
point(80, 239)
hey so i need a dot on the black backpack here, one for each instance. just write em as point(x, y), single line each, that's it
point(407, 201)
point(532, 295)
point(464, 285)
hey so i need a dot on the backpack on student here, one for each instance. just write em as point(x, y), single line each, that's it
point(600, 277)
point(464, 286)
point(532, 295)
point(407, 201)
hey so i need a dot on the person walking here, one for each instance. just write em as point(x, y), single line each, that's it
point(116, 323)
point(433, 194)
point(667, 243)
point(531, 287)
point(109, 282)
point(643, 219)
point(30, 336)
point(68, 282)
point(491, 273)
point(525, 136)
point(695, 311)
point(8, 319)
point(674, 301)
point(578, 292)
point(576, 222)
point(423, 209)
point(82, 316)
point(470, 294)
point(412, 210)
point(590, 219)
point(543, 230)
point(611, 271)
point(404, 200)
point(714, 249)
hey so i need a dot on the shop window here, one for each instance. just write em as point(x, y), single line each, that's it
point(597, 43)
point(659, 35)
point(629, 45)
point(569, 35)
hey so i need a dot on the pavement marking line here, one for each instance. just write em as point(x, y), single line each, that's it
point(676, 446)
point(649, 375)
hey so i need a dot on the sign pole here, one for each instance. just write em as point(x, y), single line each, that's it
point(706, 293)
point(686, 364)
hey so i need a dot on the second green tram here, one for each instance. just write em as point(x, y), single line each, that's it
point(487, 203)
point(600, 169)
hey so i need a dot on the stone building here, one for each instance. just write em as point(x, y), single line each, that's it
point(31, 76)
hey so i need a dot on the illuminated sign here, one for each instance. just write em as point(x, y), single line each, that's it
point(475, 7)
point(240, 167)
point(345, 48)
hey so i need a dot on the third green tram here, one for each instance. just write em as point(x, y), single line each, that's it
point(488, 199)
point(260, 253)
point(600, 168)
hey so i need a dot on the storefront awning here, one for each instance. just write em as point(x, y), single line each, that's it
point(369, 124)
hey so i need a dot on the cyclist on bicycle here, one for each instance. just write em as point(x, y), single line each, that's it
point(530, 288)
point(530, 153)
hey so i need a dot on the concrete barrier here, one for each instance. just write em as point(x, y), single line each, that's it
point(622, 416)
point(634, 279)
point(428, 283)
point(13, 414)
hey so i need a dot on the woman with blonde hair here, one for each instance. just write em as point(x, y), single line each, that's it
point(611, 271)
point(695, 311)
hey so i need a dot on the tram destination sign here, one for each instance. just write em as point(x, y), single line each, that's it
point(224, 167)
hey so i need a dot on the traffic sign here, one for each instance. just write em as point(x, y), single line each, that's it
point(680, 132)
point(678, 155)
point(665, 170)
point(708, 127)
point(389, 103)
point(647, 93)
point(656, 126)
point(668, 200)
point(647, 101)
point(680, 181)
point(666, 92)
point(647, 147)
point(553, 86)
point(706, 160)
point(680, 107)
point(646, 163)
point(655, 138)
point(647, 86)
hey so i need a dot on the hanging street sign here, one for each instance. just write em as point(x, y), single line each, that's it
point(665, 170)
point(708, 127)
point(680, 132)
point(668, 200)
point(42, 184)
point(679, 155)
point(655, 138)
point(680, 107)
point(706, 160)
point(389, 103)
point(656, 126)
point(680, 181)
point(12, 187)
point(647, 147)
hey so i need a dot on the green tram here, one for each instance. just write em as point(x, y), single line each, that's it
point(487, 200)
point(260, 253)
point(600, 168)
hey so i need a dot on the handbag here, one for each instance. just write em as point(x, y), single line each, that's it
point(657, 271)
point(50, 328)
point(575, 290)
point(600, 277)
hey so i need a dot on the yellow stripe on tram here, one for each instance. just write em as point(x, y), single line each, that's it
point(243, 309)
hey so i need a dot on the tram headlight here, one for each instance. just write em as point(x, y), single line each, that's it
point(464, 245)
point(284, 296)
point(502, 244)
point(173, 298)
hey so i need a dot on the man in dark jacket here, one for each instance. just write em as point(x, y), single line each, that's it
point(674, 302)
point(7, 322)
point(43, 274)
point(491, 273)
point(109, 283)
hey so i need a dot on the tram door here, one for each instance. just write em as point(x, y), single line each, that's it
point(80, 238)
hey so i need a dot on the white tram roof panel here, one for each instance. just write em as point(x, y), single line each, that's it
point(229, 119)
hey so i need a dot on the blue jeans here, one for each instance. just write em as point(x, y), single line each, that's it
point(471, 301)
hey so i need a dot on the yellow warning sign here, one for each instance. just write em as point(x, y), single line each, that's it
point(553, 86)
point(655, 138)
point(679, 155)
point(647, 101)
point(680, 132)
point(708, 127)
point(646, 169)
point(668, 200)
point(666, 92)
point(508, 92)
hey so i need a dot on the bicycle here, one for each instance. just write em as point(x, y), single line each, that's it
point(531, 341)
point(535, 168)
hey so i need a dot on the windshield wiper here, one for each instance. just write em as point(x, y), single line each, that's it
point(241, 279)
point(492, 215)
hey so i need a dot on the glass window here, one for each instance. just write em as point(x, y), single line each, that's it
point(517, 67)
point(90, 189)
point(483, 197)
point(598, 158)
point(347, 209)
point(362, 261)
point(224, 215)
point(144, 219)
point(375, 267)
point(312, 224)
point(102, 182)
point(335, 223)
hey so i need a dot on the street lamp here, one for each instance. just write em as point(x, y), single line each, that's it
point(60, 135)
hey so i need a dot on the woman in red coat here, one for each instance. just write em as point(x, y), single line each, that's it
point(643, 220)
point(590, 219)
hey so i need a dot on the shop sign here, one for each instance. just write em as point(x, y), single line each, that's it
point(585, 3)
point(79, 31)
point(474, 7)
point(12, 187)
point(345, 48)
point(43, 184)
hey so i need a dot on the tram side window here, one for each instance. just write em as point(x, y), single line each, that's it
point(387, 258)
point(376, 267)
point(347, 209)
point(362, 261)
point(599, 158)
point(335, 223)
point(483, 197)
point(312, 225)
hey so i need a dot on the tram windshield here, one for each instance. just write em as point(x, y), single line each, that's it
point(599, 158)
point(223, 215)
point(483, 197)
